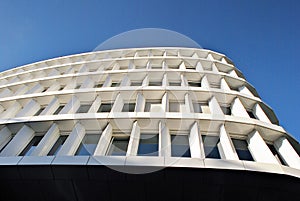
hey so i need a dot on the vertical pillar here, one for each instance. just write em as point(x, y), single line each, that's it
point(29, 109)
point(104, 141)
point(195, 142)
point(238, 109)
point(118, 104)
point(214, 106)
point(5, 136)
point(225, 146)
point(134, 140)
point(164, 140)
point(287, 152)
point(258, 111)
point(140, 103)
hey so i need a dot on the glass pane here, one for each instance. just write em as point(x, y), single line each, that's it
point(148, 145)
point(226, 110)
point(83, 109)
point(194, 84)
point(58, 109)
point(136, 84)
point(197, 107)
point(155, 83)
point(174, 107)
point(31, 146)
point(251, 115)
point(88, 145)
point(211, 146)
point(118, 146)
point(180, 146)
point(241, 147)
point(174, 84)
point(115, 84)
point(276, 154)
point(128, 107)
point(57, 146)
point(39, 111)
point(105, 107)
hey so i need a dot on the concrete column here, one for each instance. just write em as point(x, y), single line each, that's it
point(182, 66)
point(21, 90)
point(260, 114)
point(83, 69)
point(199, 67)
point(5, 136)
point(259, 149)
point(133, 144)
point(195, 142)
point(29, 109)
point(224, 85)
point(238, 109)
point(165, 81)
point(204, 82)
point(35, 89)
point(164, 140)
point(54, 87)
point(214, 106)
point(12, 110)
point(125, 81)
point(226, 148)
point(104, 141)
point(95, 105)
point(71, 107)
point(118, 104)
point(184, 81)
point(214, 68)
point(140, 103)
point(107, 82)
point(233, 73)
point(145, 81)
point(164, 65)
point(245, 90)
point(19, 142)
point(188, 103)
point(165, 102)
point(287, 152)
point(88, 83)
point(72, 143)
point(47, 141)
point(51, 108)
point(5, 92)
point(71, 85)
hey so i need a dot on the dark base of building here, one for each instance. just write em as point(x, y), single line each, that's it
point(91, 183)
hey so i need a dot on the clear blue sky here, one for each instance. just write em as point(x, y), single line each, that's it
point(262, 37)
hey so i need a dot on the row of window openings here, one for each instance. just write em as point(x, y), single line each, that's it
point(227, 111)
point(148, 146)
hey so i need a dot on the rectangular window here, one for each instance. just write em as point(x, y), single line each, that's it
point(201, 107)
point(148, 145)
point(241, 147)
point(226, 110)
point(155, 83)
point(136, 83)
point(105, 107)
point(194, 84)
point(175, 106)
point(175, 83)
point(98, 85)
point(58, 144)
point(128, 107)
point(251, 114)
point(31, 146)
point(180, 146)
point(276, 154)
point(150, 105)
point(211, 146)
point(57, 111)
point(83, 109)
point(88, 145)
point(118, 146)
point(115, 84)
point(39, 111)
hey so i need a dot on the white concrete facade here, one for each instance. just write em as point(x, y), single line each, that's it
point(191, 105)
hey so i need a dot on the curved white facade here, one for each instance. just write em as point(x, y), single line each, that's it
point(157, 107)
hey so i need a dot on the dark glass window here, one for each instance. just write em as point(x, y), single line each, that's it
point(136, 83)
point(241, 147)
point(115, 84)
point(77, 86)
point(211, 146)
point(276, 154)
point(148, 145)
point(197, 107)
point(45, 89)
point(105, 107)
point(58, 109)
point(194, 84)
point(128, 107)
point(83, 109)
point(118, 146)
point(226, 110)
point(180, 146)
point(98, 85)
point(57, 146)
point(39, 111)
point(88, 145)
point(251, 115)
point(153, 83)
point(31, 146)
point(174, 83)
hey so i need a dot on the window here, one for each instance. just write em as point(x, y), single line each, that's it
point(58, 109)
point(45, 89)
point(88, 145)
point(175, 83)
point(150, 105)
point(57, 146)
point(211, 146)
point(31, 146)
point(83, 109)
point(39, 111)
point(61, 88)
point(180, 146)
point(148, 145)
point(175, 106)
point(98, 85)
point(118, 146)
point(115, 84)
point(201, 107)
point(155, 83)
point(226, 110)
point(105, 107)
point(77, 86)
point(136, 83)
point(194, 84)
point(251, 114)
point(241, 147)
point(128, 107)
point(276, 154)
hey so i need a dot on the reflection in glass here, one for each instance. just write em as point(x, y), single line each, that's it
point(148, 145)
point(88, 145)
point(180, 146)
point(211, 146)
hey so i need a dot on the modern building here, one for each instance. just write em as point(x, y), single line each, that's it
point(149, 122)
